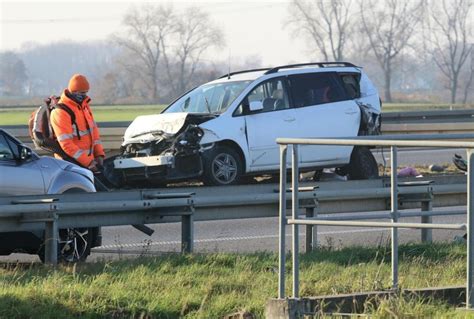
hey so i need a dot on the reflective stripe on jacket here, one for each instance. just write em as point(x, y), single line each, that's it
point(81, 143)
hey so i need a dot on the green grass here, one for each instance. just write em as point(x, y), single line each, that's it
point(19, 116)
point(110, 113)
point(211, 286)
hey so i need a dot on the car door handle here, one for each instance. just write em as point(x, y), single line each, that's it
point(289, 119)
point(350, 111)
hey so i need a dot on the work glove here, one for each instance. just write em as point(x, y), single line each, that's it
point(93, 167)
point(99, 161)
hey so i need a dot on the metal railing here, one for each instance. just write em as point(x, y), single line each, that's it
point(394, 197)
point(421, 122)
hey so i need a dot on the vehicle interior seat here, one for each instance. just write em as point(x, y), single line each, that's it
point(268, 104)
point(279, 100)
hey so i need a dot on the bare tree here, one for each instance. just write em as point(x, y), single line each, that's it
point(146, 30)
point(389, 26)
point(326, 23)
point(13, 74)
point(469, 76)
point(193, 35)
point(449, 25)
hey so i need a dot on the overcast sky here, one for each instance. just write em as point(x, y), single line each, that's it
point(250, 27)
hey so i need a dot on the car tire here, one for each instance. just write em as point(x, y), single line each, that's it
point(222, 166)
point(74, 244)
point(362, 165)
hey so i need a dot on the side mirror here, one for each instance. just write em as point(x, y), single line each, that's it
point(256, 106)
point(25, 152)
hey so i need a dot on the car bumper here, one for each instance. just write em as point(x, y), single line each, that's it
point(161, 168)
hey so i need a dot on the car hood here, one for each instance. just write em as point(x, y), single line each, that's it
point(147, 128)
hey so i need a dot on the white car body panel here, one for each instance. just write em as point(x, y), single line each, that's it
point(317, 121)
point(263, 130)
point(369, 94)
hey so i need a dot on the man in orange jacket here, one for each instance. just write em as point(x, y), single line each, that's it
point(80, 141)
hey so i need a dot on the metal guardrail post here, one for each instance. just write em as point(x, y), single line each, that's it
point(470, 229)
point(394, 212)
point(311, 230)
point(187, 232)
point(426, 234)
point(294, 215)
point(51, 241)
point(282, 223)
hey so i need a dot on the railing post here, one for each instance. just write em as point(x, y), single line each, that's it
point(311, 230)
point(394, 212)
point(294, 215)
point(187, 232)
point(282, 223)
point(51, 241)
point(470, 229)
point(426, 234)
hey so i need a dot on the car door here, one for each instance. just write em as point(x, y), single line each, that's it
point(323, 109)
point(18, 177)
point(264, 126)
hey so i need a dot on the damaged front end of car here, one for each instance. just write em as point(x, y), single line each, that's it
point(159, 149)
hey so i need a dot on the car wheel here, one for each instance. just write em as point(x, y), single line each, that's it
point(222, 166)
point(74, 244)
point(362, 165)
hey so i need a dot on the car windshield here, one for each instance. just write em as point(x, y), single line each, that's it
point(209, 98)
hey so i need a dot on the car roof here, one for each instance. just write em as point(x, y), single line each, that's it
point(251, 75)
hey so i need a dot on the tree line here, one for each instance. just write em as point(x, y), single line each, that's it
point(412, 49)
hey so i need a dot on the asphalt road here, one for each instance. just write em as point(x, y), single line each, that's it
point(251, 235)
point(242, 236)
point(261, 234)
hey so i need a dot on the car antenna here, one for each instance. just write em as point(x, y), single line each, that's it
point(228, 64)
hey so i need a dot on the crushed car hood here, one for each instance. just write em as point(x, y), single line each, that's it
point(147, 128)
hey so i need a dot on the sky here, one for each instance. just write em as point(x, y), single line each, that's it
point(251, 28)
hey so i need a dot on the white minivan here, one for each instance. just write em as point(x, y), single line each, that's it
point(226, 129)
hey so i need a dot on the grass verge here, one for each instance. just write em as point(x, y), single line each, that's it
point(9, 116)
point(213, 285)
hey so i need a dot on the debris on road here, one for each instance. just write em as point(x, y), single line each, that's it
point(436, 168)
point(408, 171)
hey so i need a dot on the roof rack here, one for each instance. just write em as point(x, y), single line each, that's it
point(244, 71)
point(319, 64)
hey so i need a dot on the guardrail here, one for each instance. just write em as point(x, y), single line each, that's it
point(394, 201)
point(431, 122)
point(54, 212)
point(441, 116)
point(135, 207)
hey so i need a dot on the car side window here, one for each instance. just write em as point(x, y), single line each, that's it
point(5, 150)
point(271, 93)
point(316, 88)
point(351, 84)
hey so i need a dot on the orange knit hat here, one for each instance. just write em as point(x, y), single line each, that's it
point(78, 83)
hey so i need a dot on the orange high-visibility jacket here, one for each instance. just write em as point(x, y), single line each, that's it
point(85, 147)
